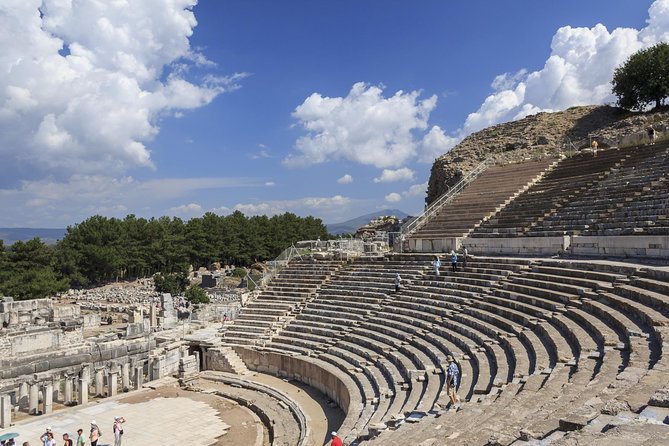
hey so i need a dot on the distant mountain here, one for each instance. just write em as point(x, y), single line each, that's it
point(353, 224)
point(48, 236)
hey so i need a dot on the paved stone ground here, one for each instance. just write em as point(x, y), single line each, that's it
point(161, 421)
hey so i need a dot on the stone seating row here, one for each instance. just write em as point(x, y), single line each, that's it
point(568, 179)
point(524, 330)
point(498, 184)
point(578, 201)
point(635, 181)
point(286, 293)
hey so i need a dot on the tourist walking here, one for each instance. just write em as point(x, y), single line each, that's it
point(118, 430)
point(594, 145)
point(652, 134)
point(336, 441)
point(465, 254)
point(398, 282)
point(95, 434)
point(454, 261)
point(81, 441)
point(437, 265)
point(452, 379)
point(67, 440)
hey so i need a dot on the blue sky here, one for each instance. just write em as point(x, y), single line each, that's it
point(333, 109)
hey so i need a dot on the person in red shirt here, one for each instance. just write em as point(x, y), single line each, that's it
point(336, 441)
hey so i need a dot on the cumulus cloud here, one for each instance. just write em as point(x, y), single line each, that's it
point(389, 176)
point(416, 190)
point(346, 179)
point(83, 85)
point(364, 127)
point(310, 205)
point(577, 72)
point(435, 143)
point(393, 197)
point(53, 203)
point(187, 209)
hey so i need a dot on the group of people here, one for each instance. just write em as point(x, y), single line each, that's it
point(454, 261)
point(48, 437)
point(437, 265)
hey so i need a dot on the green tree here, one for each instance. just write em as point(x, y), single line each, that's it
point(643, 79)
point(196, 295)
point(27, 271)
point(173, 283)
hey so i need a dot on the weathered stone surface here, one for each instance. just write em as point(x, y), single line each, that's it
point(660, 398)
point(614, 407)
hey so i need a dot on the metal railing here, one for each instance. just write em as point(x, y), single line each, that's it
point(274, 266)
point(444, 199)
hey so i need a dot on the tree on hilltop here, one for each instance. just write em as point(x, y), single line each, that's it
point(643, 79)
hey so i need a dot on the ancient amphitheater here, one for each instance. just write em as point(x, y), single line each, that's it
point(559, 323)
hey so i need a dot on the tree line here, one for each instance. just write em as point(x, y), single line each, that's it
point(102, 249)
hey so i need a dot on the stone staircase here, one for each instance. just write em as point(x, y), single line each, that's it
point(482, 199)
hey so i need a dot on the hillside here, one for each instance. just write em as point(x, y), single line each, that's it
point(353, 224)
point(542, 135)
point(48, 236)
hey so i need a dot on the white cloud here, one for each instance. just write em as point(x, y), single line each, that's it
point(270, 184)
point(508, 80)
point(263, 153)
point(364, 127)
point(346, 179)
point(435, 143)
point(52, 203)
point(577, 72)
point(320, 206)
point(393, 197)
point(84, 84)
point(416, 190)
point(221, 210)
point(389, 176)
point(187, 209)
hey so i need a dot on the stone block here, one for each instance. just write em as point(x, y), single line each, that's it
point(660, 398)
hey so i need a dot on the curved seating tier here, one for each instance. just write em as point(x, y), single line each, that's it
point(494, 187)
point(539, 342)
point(616, 192)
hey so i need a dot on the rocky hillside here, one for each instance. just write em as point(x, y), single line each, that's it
point(542, 135)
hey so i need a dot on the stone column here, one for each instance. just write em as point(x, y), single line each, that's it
point(83, 391)
point(33, 399)
point(139, 376)
point(99, 382)
point(197, 359)
point(125, 377)
point(23, 396)
point(47, 403)
point(5, 411)
point(112, 383)
point(69, 394)
point(153, 316)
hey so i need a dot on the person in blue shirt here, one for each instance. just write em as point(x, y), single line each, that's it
point(452, 380)
point(454, 261)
